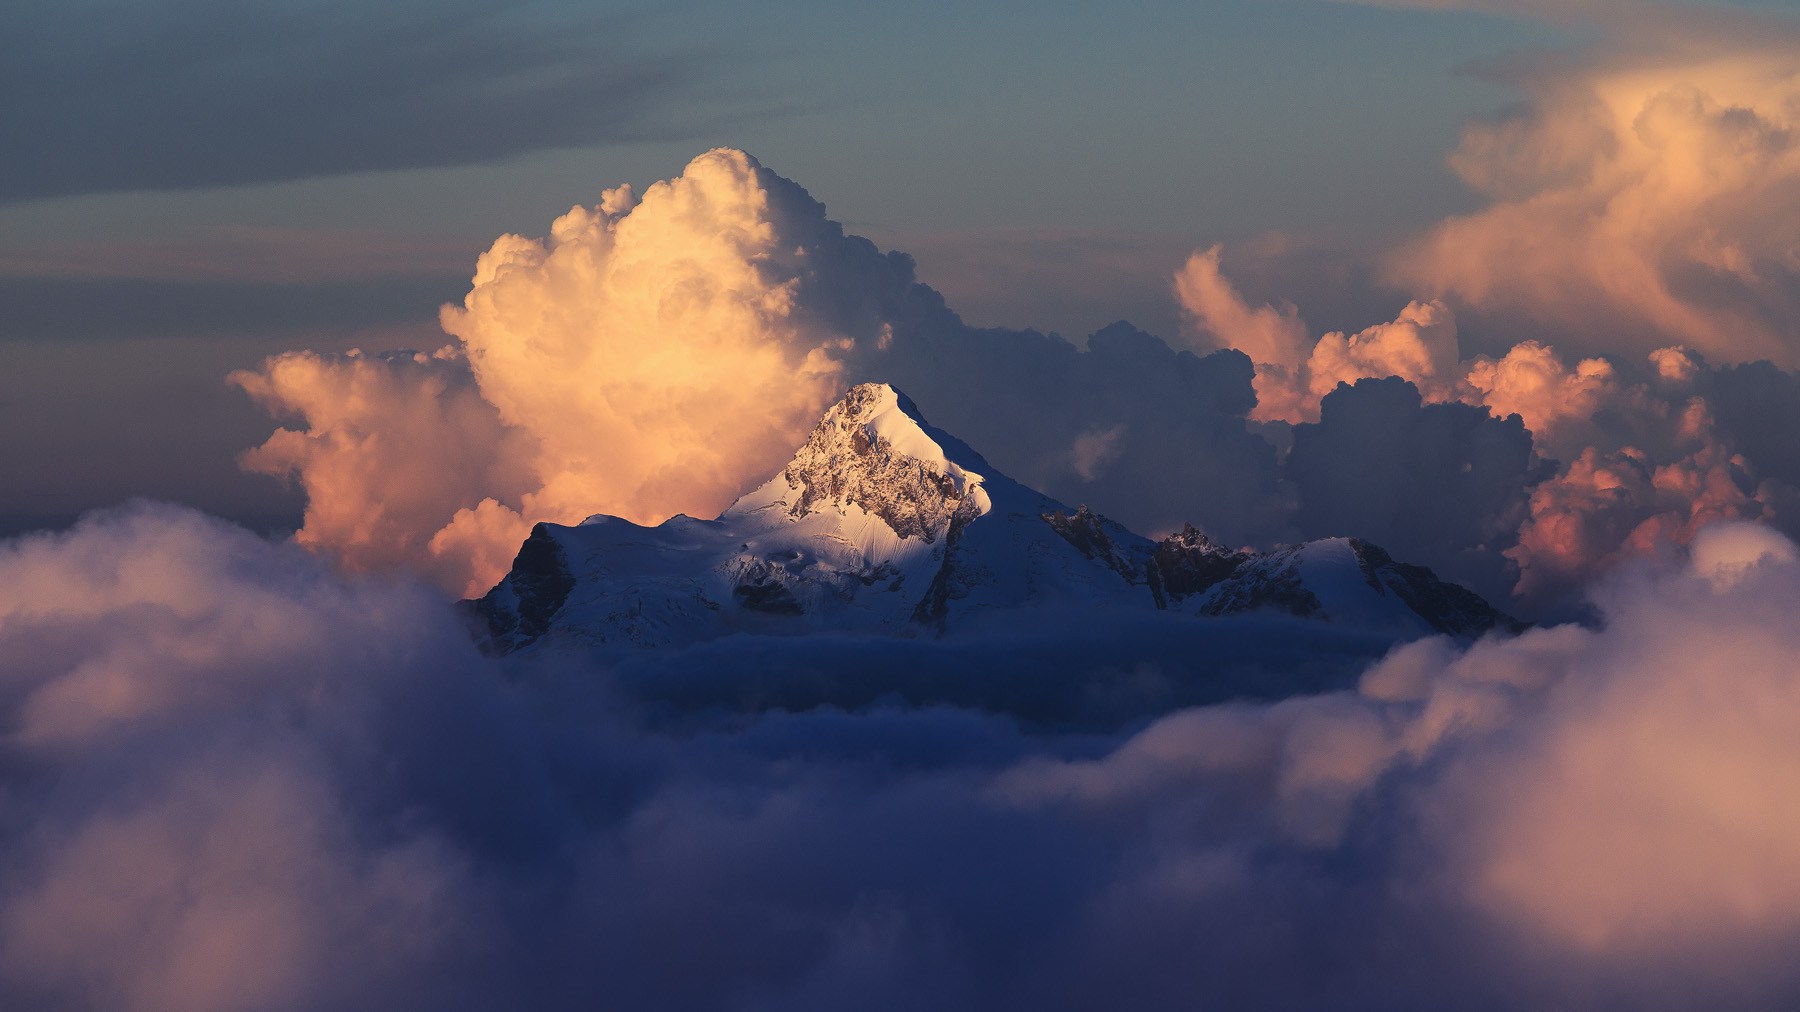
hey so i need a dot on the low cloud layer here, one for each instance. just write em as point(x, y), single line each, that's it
point(237, 781)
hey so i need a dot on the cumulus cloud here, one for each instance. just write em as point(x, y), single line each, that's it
point(647, 358)
point(1625, 456)
point(1660, 455)
point(1550, 395)
point(1644, 195)
point(1034, 404)
point(1293, 371)
point(654, 346)
point(662, 354)
point(1637, 229)
point(393, 448)
point(1265, 333)
point(1418, 346)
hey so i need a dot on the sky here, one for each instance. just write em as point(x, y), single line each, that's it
point(309, 311)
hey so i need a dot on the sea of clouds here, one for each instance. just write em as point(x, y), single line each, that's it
point(235, 779)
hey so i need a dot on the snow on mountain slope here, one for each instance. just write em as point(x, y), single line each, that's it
point(883, 524)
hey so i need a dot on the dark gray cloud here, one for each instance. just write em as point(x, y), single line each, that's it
point(1441, 485)
point(105, 95)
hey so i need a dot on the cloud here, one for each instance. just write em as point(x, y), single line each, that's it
point(1069, 281)
point(185, 702)
point(394, 447)
point(1629, 816)
point(1594, 804)
point(1293, 372)
point(666, 353)
point(1659, 455)
point(1442, 485)
point(651, 357)
point(1624, 456)
point(1552, 396)
point(1266, 334)
point(657, 348)
point(1636, 225)
point(1644, 195)
point(1095, 450)
point(1419, 346)
point(177, 94)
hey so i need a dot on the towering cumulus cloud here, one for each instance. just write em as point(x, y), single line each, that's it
point(656, 349)
point(648, 357)
point(1646, 195)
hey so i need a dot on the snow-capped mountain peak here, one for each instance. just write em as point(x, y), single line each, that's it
point(874, 452)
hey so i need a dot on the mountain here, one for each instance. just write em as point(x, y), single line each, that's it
point(882, 524)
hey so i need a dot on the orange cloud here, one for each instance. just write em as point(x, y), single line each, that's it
point(1642, 198)
point(392, 447)
point(650, 356)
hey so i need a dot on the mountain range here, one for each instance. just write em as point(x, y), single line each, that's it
point(883, 525)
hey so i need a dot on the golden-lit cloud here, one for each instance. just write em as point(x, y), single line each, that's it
point(1647, 194)
point(655, 347)
point(391, 448)
point(650, 356)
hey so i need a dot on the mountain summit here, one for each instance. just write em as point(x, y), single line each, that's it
point(883, 524)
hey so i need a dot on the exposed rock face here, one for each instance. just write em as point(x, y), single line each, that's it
point(1189, 563)
point(539, 583)
point(849, 460)
point(1450, 609)
point(1089, 533)
point(1268, 582)
point(882, 524)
